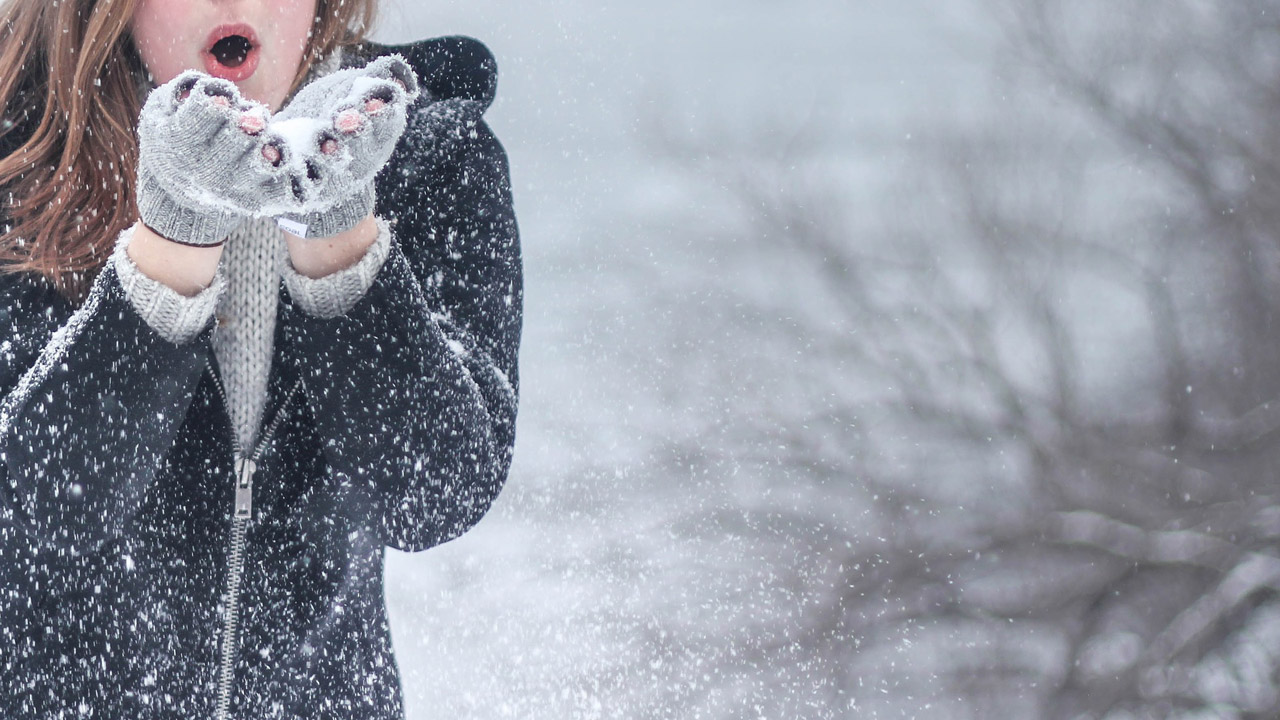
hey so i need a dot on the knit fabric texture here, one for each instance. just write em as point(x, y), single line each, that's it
point(244, 296)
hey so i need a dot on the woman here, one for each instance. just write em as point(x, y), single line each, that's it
point(212, 428)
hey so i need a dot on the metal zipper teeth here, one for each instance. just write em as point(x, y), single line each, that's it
point(242, 512)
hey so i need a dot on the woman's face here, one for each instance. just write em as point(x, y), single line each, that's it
point(263, 48)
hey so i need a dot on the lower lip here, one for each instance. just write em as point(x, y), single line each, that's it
point(234, 74)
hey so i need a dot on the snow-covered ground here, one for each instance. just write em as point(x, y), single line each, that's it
point(623, 573)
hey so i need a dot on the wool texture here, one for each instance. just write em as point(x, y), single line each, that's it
point(242, 299)
point(244, 295)
point(343, 184)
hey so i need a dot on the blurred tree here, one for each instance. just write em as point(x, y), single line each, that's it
point(1050, 362)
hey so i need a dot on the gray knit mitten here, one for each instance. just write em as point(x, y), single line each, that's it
point(204, 163)
point(340, 130)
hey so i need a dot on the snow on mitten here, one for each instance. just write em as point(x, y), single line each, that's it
point(205, 161)
point(340, 130)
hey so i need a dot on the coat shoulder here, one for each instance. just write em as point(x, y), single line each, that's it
point(448, 67)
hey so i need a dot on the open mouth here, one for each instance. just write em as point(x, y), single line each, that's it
point(231, 52)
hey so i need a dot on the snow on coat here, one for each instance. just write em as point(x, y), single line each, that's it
point(116, 490)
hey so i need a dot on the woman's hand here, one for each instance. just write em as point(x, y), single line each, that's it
point(341, 129)
point(207, 160)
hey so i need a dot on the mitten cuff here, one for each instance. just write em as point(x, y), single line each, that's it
point(205, 226)
point(339, 218)
point(336, 293)
point(176, 317)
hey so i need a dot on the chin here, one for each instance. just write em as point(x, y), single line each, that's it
point(271, 99)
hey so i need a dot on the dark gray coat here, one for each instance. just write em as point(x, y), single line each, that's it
point(116, 487)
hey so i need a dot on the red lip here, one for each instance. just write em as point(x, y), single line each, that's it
point(217, 69)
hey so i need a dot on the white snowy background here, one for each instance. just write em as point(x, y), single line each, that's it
point(615, 578)
point(889, 358)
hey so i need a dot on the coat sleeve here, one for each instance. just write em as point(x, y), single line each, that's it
point(414, 389)
point(92, 399)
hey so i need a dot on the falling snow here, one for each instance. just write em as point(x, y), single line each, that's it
point(878, 360)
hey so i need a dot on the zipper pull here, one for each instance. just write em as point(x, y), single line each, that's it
point(244, 486)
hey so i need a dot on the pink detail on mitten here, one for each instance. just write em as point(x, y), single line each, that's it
point(348, 121)
point(252, 123)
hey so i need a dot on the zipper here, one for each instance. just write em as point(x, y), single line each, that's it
point(244, 468)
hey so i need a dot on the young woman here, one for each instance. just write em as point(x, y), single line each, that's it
point(260, 311)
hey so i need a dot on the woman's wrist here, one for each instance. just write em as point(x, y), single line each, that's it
point(316, 257)
point(187, 269)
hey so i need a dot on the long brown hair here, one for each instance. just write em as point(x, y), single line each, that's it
point(69, 74)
